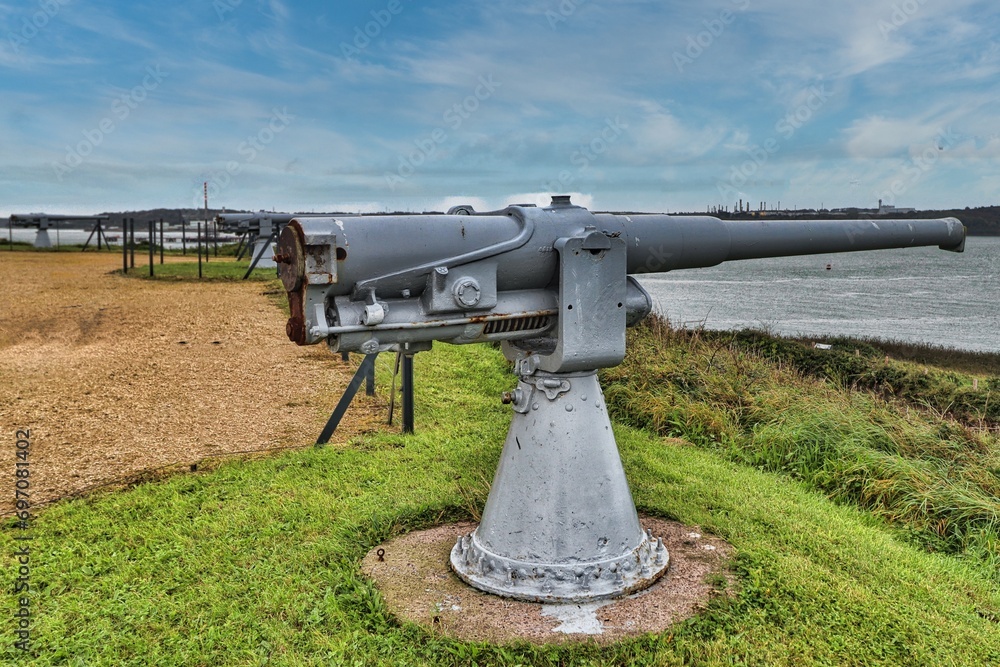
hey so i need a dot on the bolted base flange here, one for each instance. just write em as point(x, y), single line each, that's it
point(550, 582)
point(559, 524)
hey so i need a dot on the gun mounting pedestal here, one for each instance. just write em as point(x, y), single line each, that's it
point(559, 524)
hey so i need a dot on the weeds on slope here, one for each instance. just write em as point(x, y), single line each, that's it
point(935, 477)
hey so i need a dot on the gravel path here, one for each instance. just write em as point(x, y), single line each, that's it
point(119, 376)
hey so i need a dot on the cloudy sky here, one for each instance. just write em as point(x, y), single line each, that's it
point(401, 104)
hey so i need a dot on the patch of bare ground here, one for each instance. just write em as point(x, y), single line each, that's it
point(414, 578)
point(116, 377)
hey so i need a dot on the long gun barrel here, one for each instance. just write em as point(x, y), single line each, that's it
point(45, 219)
point(439, 277)
point(241, 222)
point(694, 242)
point(233, 222)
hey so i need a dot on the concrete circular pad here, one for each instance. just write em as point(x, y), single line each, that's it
point(418, 585)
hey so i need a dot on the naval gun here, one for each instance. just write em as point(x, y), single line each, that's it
point(555, 287)
point(257, 229)
point(45, 221)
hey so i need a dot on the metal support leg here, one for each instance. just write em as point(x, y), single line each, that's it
point(102, 231)
point(367, 366)
point(239, 246)
point(392, 390)
point(86, 243)
point(407, 388)
point(260, 254)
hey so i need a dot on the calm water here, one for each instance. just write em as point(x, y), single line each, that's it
point(917, 294)
point(172, 237)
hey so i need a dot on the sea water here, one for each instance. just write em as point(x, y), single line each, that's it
point(923, 295)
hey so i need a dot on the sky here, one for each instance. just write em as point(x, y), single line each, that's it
point(405, 105)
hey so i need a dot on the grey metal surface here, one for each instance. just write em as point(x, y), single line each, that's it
point(559, 524)
point(263, 255)
point(45, 221)
point(340, 264)
point(553, 285)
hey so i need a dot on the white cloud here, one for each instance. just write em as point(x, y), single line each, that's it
point(865, 48)
point(878, 136)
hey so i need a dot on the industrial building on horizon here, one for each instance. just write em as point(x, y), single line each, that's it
point(764, 211)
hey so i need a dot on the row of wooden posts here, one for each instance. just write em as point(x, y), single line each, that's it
point(128, 243)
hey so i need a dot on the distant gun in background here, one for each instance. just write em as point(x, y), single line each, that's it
point(257, 230)
point(46, 221)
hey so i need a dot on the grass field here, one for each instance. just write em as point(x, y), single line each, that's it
point(256, 562)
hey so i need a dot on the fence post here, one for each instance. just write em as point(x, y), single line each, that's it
point(124, 246)
point(152, 245)
point(199, 251)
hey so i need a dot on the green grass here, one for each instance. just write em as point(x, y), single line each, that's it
point(256, 562)
point(898, 370)
point(777, 405)
point(21, 246)
point(966, 361)
point(141, 249)
point(217, 269)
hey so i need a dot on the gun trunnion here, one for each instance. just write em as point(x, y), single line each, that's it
point(554, 285)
